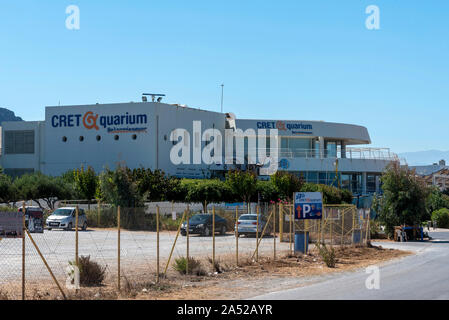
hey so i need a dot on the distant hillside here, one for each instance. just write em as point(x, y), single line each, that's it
point(422, 158)
point(8, 115)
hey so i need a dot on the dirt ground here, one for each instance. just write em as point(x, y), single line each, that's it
point(251, 278)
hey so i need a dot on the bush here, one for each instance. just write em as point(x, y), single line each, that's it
point(441, 217)
point(195, 267)
point(91, 273)
point(328, 255)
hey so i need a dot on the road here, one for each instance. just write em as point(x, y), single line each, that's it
point(424, 275)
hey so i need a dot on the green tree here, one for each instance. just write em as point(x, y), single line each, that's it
point(436, 200)
point(86, 183)
point(119, 189)
point(39, 186)
point(8, 192)
point(242, 183)
point(404, 200)
point(441, 217)
point(287, 184)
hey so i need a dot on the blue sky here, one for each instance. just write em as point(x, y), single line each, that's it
point(311, 60)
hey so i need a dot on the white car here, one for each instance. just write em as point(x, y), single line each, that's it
point(247, 225)
point(65, 218)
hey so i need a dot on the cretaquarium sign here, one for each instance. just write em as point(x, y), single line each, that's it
point(113, 123)
point(295, 128)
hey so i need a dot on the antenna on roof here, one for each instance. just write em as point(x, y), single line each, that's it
point(153, 96)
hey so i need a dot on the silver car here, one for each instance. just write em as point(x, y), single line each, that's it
point(65, 218)
point(247, 225)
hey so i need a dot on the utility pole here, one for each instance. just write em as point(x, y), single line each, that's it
point(222, 88)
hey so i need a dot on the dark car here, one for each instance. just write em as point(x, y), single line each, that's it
point(202, 224)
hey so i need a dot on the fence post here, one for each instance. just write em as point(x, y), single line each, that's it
point(174, 243)
point(236, 235)
point(281, 222)
point(98, 214)
point(353, 226)
point(213, 238)
point(306, 225)
point(76, 241)
point(157, 243)
point(23, 250)
point(118, 248)
point(330, 226)
point(187, 246)
point(274, 231)
point(291, 229)
point(257, 233)
point(343, 226)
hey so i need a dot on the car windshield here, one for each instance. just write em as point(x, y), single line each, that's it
point(248, 217)
point(199, 218)
point(62, 212)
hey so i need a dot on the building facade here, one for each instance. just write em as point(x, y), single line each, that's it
point(146, 134)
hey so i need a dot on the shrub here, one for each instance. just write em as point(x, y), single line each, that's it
point(91, 272)
point(195, 267)
point(328, 255)
point(441, 217)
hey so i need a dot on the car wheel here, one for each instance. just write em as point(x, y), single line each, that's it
point(69, 227)
point(223, 230)
point(85, 226)
point(49, 229)
point(183, 233)
point(206, 232)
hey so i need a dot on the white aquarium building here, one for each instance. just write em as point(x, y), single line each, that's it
point(143, 135)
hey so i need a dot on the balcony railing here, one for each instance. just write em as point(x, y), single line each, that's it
point(351, 153)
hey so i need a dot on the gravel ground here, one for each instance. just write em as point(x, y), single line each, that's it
point(138, 251)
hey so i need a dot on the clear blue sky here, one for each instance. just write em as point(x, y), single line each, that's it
point(311, 60)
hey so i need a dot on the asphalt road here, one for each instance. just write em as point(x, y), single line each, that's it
point(424, 275)
point(138, 251)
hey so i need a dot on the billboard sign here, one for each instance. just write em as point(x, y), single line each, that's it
point(11, 225)
point(308, 205)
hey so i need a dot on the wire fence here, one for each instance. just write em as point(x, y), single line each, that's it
point(149, 244)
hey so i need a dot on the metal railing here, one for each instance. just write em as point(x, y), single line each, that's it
point(349, 153)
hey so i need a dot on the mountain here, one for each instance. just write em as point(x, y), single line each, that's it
point(422, 158)
point(8, 115)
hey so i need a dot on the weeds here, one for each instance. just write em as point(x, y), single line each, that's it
point(328, 255)
point(195, 266)
point(91, 272)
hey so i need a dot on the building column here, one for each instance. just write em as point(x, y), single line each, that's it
point(377, 184)
point(343, 149)
point(321, 141)
point(363, 182)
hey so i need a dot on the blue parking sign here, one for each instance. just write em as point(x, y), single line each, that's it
point(308, 205)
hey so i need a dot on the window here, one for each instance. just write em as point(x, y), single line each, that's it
point(81, 138)
point(134, 137)
point(296, 147)
point(19, 141)
point(116, 137)
point(98, 138)
point(64, 139)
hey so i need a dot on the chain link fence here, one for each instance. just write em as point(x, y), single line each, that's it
point(146, 245)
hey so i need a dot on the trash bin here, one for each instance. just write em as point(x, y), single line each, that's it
point(299, 241)
point(357, 236)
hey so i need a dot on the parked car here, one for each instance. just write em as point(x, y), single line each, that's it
point(202, 224)
point(247, 225)
point(65, 218)
point(34, 218)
